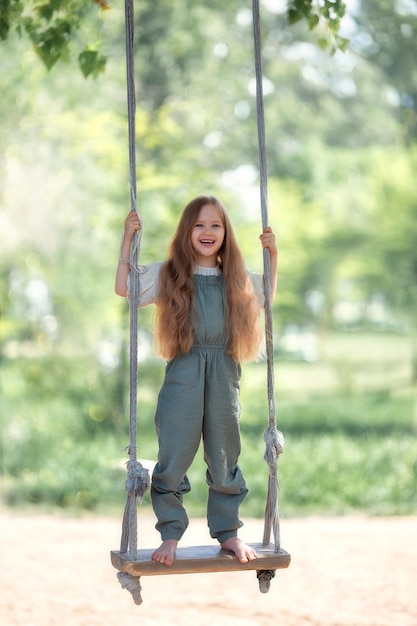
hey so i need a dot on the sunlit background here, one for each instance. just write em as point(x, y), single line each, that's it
point(342, 160)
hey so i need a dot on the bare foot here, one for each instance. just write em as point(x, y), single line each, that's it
point(166, 552)
point(243, 552)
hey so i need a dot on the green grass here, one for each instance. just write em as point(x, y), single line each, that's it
point(348, 447)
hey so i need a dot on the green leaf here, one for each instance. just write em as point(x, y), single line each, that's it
point(92, 62)
point(294, 16)
point(323, 43)
point(313, 20)
point(10, 13)
point(342, 43)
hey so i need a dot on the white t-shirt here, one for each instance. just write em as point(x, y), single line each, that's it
point(149, 279)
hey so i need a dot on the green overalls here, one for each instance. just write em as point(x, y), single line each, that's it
point(200, 398)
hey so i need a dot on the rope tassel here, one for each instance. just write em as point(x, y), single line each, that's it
point(136, 484)
point(137, 481)
point(132, 584)
point(274, 440)
point(274, 445)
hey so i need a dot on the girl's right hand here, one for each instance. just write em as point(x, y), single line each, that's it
point(132, 224)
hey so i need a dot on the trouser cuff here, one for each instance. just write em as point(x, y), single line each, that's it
point(224, 536)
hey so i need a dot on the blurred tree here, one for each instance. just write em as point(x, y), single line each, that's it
point(386, 36)
point(195, 130)
point(394, 237)
point(52, 25)
point(341, 186)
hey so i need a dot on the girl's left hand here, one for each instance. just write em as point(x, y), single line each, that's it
point(268, 241)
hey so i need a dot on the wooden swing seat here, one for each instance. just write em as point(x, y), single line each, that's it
point(200, 559)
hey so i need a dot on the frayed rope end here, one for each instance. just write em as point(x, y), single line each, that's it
point(138, 479)
point(274, 442)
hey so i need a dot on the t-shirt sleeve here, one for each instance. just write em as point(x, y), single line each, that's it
point(257, 281)
point(148, 283)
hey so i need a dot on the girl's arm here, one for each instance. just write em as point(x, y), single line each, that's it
point(132, 224)
point(268, 241)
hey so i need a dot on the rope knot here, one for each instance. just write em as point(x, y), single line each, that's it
point(274, 445)
point(137, 481)
point(132, 584)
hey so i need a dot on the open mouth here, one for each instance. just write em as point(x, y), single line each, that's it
point(206, 242)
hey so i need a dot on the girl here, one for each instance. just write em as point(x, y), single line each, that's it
point(207, 321)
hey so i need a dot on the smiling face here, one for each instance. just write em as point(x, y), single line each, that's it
point(207, 236)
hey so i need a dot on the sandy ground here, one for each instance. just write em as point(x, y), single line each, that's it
point(349, 571)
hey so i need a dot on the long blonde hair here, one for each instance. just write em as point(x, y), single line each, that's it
point(173, 327)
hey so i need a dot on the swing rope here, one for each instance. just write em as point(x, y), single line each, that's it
point(137, 481)
point(274, 440)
